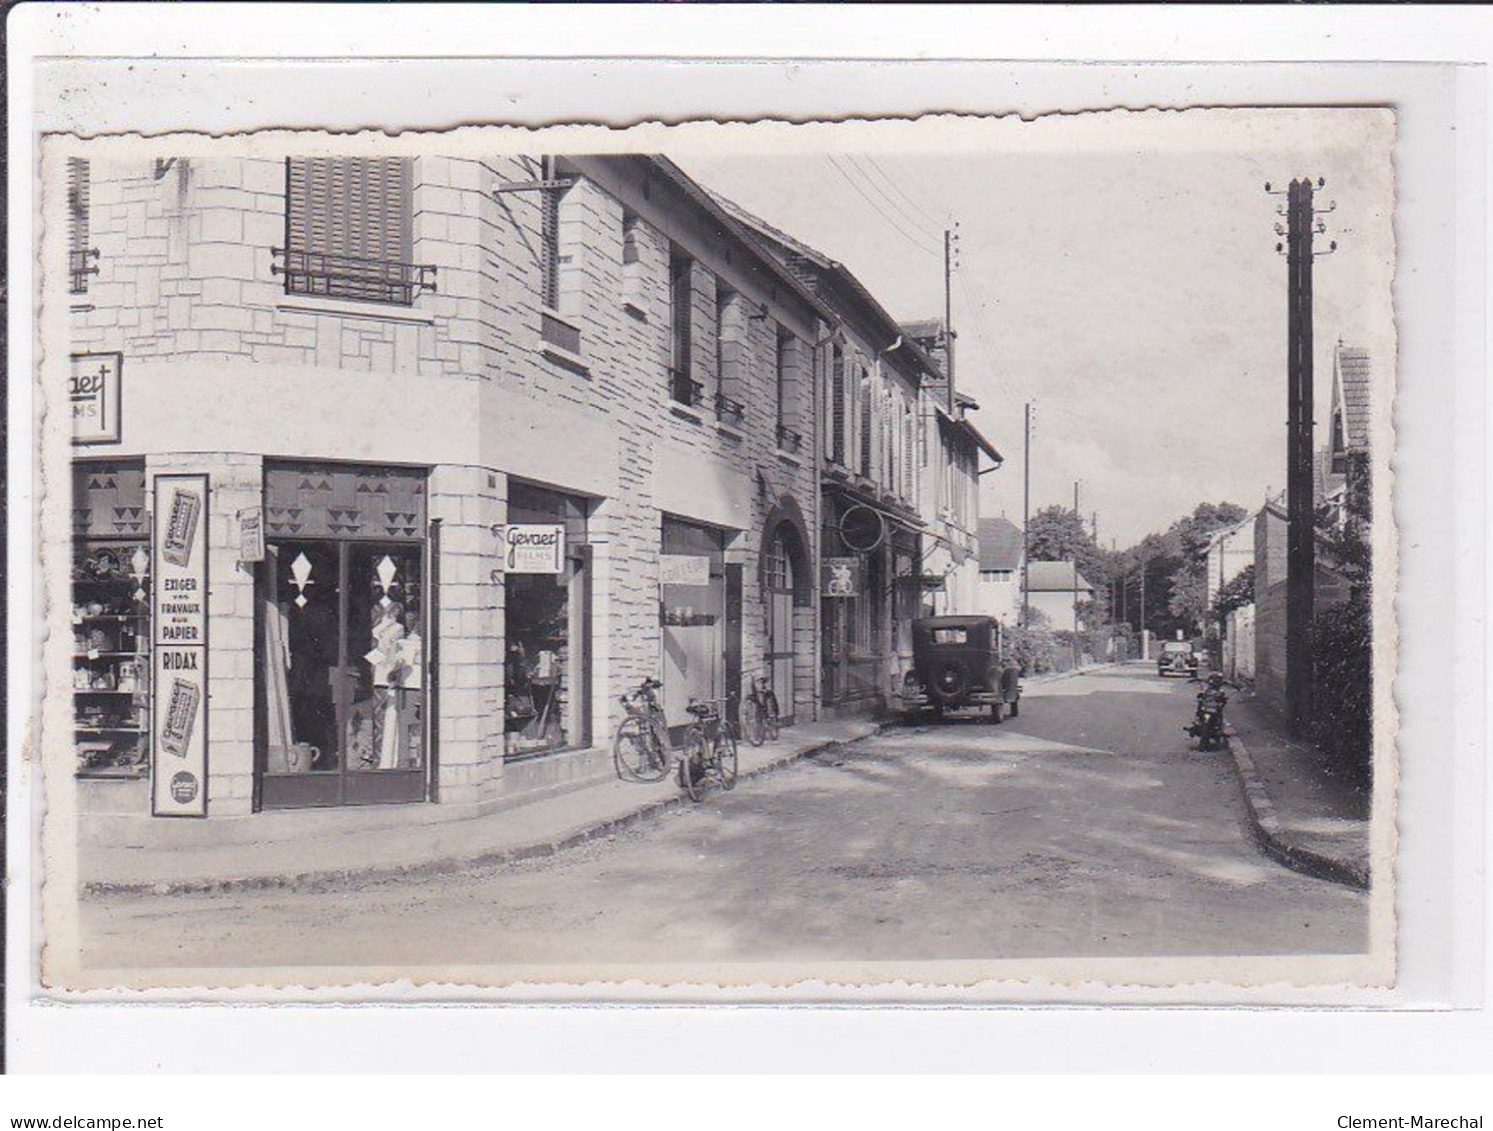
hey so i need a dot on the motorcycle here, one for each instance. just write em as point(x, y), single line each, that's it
point(1207, 723)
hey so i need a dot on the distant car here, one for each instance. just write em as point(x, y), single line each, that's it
point(1177, 658)
point(960, 662)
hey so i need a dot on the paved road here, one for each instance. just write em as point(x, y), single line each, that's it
point(1083, 828)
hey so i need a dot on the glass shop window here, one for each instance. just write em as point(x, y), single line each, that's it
point(545, 671)
point(693, 615)
point(111, 621)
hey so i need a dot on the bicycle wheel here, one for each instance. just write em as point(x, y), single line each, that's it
point(634, 753)
point(725, 758)
point(751, 722)
point(692, 764)
point(771, 722)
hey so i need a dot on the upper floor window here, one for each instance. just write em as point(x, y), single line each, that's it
point(730, 355)
point(682, 384)
point(347, 230)
point(786, 369)
point(82, 260)
point(549, 237)
point(839, 407)
point(634, 277)
point(866, 435)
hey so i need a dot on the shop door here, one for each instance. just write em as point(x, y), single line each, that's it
point(344, 673)
point(780, 626)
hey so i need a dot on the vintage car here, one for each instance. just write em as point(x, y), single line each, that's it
point(959, 662)
point(1177, 658)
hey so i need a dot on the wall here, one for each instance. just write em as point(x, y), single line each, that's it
point(1239, 644)
point(1057, 606)
point(999, 595)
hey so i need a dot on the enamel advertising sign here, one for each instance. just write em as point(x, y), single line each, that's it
point(93, 390)
point(534, 548)
point(178, 768)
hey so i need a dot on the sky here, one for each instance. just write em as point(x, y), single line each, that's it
point(1118, 271)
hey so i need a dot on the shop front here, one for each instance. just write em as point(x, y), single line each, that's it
point(868, 598)
point(111, 621)
point(787, 589)
point(547, 612)
point(345, 600)
point(700, 618)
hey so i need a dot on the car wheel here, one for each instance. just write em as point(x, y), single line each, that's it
point(950, 682)
point(995, 713)
point(1015, 706)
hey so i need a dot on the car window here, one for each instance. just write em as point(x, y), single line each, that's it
point(1179, 647)
point(950, 635)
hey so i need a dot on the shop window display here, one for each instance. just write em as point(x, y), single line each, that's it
point(343, 680)
point(692, 612)
point(111, 621)
point(546, 705)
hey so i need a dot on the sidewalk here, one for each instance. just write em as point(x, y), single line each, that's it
point(1301, 815)
point(537, 828)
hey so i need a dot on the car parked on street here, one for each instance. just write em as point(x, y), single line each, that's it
point(1177, 657)
point(960, 662)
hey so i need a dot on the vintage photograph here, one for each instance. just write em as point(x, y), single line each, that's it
point(951, 550)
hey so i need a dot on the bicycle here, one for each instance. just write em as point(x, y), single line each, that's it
point(640, 748)
point(709, 749)
point(759, 712)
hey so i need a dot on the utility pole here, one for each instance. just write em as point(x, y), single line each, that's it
point(1301, 224)
point(1026, 510)
point(1078, 516)
point(950, 250)
point(1144, 651)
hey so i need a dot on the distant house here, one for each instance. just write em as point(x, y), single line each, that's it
point(999, 593)
point(1229, 552)
point(1054, 588)
point(1333, 472)
point(1348, 426)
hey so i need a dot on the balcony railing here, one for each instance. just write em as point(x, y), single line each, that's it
point(728, 410)
point(350, 277)
point(80, 265)
point(789, 440)
point(683, 389)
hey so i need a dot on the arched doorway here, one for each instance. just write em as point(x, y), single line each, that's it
point(778, 595)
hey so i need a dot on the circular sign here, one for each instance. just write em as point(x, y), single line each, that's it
point(862, 528)
point(183, 788)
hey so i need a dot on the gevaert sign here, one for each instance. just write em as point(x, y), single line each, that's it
point(93, 389)
point(178, 766)
point(534, 548)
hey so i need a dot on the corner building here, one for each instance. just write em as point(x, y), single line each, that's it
point(486, 442)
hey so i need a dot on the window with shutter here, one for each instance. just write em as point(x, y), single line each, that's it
point(82, 260)
point(348, 230)
point(682, 384)
point(865, 444)
point(787, 360)
point(837, 408)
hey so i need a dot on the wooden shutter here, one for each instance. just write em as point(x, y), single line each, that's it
point(838, 408)
point(78, 252)
point(350, 206)
point(864, 392)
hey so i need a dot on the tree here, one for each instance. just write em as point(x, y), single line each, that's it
point(1235, 593)
point(1174, 563)
point(1059, 534)
point(1056, 534)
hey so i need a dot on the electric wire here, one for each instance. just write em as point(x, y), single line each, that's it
point(898, 228)
point(912, 216)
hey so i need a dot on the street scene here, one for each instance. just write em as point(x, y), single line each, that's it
point(1084, 828)
point(694, 555)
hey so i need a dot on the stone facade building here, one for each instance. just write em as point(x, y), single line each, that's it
point(486, 442)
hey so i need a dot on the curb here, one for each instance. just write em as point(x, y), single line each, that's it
point(313, 881)
point(1265, 828)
